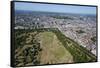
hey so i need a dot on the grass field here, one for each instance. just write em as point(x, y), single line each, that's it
point(53, 50)
point(48, 46)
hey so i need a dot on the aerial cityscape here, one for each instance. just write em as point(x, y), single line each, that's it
point(54, 35)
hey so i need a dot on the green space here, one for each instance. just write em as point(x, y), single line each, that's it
point(48, 46)
point(80, 31)
point(94, 38)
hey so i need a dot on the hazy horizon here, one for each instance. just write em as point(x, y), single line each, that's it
point(55, 8)
point(53, 12)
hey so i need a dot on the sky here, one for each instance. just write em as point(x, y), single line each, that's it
point(55, 8)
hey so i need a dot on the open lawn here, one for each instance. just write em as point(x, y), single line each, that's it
point(48, 46)
point(53, 51)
